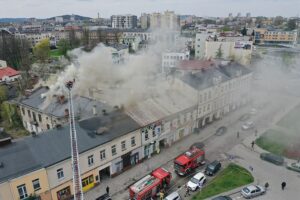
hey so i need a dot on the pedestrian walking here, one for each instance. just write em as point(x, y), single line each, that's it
point(107, 189)
point(251, 168)
point(283, 185)
point(161, 195)
point(266, 185)
point(187, 192)
point(238, 135)
point(252, 145)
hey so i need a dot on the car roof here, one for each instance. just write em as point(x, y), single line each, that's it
point(251, 187)
point(199, 175)
point(222, 198)
point(214, 163)
point(172, 195)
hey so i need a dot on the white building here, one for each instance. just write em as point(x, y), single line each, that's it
point(133, 42)
point(145, 21)
point(119, 53)
point(59, 19)
point(8, 74)
point(124, 21)
point(36, 38)
point(170, 59)
point(168, 20)
point(200, 44)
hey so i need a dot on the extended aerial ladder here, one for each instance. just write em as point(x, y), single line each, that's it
point(78, 194)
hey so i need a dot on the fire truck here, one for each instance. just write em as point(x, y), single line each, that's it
point(149, 186)
point(189, 160)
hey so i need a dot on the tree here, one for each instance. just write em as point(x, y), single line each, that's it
point(86, 37)
point(244, 31)
point(278, 20)
point(64, 46)
point(219, 53)
point(226, 28)
point(3, 93)
point(291, 25)
point(10, 113)
point(74, 41)
point(42, 50)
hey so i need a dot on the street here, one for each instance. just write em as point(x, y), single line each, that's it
point(221, 148)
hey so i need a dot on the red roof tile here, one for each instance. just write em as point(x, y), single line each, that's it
point(8, 71)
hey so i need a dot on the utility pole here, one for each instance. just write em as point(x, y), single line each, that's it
point(78, 194)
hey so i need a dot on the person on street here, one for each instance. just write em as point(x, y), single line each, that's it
point(283, 185)
point(266, 185)
point(252, 145)
point(251, 168)
point(161, 195)
point(107, 190)
point(187, 192)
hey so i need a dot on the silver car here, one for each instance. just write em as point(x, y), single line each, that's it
point(252, 191)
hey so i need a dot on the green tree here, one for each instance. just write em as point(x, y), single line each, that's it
point(9, 112)
point(226, 28)
point(244, 31)
point(291, 25)
point(219, 53)
point(3, 93)
point(74, 41)
point(64, 46)
point(278, 20)
point(86, 37)
point(42, 50)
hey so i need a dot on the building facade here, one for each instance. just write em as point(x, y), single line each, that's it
point(264, 36)
point(170, 59)
point(124, 21)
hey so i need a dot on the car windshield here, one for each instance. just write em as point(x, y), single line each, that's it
point(257, 188)
point(194, 180)
point(296, 165)
point(246, 190)
point(178, 166)
point(210, 167)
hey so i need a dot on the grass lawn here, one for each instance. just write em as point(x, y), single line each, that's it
point(273, 141)
point(55, 53)
point(231, 177)
point(291, 120)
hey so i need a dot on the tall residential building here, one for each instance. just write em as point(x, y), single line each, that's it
point(248, 15)
point(124, 21)
point(167, 20)
point(145, 21)
point(155, 20)
point(239, 15)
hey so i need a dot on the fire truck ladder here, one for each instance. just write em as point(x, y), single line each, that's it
point(78, 194)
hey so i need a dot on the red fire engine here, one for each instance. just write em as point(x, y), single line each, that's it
point(188, 161)
point(150, 185)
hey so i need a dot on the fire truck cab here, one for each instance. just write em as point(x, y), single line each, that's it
point(188, 161)
point(150, 185)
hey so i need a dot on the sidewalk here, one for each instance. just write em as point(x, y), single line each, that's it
point(119, 184)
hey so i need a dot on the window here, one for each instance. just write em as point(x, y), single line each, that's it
point(23, 111)
point(133, 141)
point(146, 135)
point(102, 155)
point(153, 133)
point(113, 150)
point(91, 160)
point(60, 173)
point(123, 145)
point(22, 191)
point(29, 115)
point(40, 117)
point(34, 117)
point(36, 184)
point(48, 126)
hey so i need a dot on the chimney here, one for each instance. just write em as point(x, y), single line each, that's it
point(94, 110)
point(66, 113)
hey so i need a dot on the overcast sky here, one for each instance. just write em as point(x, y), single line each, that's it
point(90, 8)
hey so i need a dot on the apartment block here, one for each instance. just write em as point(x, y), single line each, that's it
point(124, 21)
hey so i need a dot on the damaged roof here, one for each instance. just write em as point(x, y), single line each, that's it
point(83, 106)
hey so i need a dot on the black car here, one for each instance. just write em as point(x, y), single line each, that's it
point(222, 198)
point(104, 197)
point(212, 168)
point(221, 130)
point(275, 159)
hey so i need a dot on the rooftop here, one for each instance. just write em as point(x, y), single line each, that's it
point(195, 64)
point(8, 71)
point(83, 106)
point(49, 148)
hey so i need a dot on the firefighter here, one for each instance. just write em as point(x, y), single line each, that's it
point(161, 195)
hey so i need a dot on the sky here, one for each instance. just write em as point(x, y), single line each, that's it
point(106, 8)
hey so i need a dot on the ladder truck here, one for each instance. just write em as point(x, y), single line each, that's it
point(78, 194)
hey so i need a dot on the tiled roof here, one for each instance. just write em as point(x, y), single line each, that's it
point(8, 71)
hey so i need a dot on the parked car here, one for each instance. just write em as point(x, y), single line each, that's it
point(248, 125)
point(104, 197)
point(222, 198)
point(252, 191)
point(196, 181)
point(212, 168)
point(294, 166)
point(275, 159)
point(221, 130)
point(245, 117)
point(173, 196)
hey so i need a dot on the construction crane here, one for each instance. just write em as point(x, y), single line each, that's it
point(78, 194)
